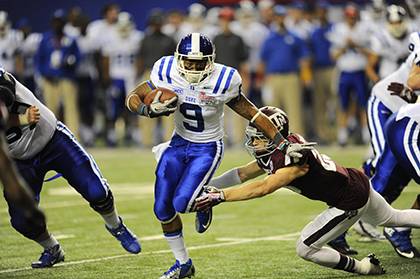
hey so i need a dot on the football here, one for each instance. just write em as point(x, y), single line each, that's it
point(167, 94)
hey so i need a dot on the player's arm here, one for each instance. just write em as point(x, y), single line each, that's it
point(282, 177)
point(237, 175)
point(242, 106)
point(372, 59)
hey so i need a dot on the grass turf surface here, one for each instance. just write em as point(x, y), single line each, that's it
point(254, 239)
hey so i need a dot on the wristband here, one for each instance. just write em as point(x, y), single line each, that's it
point(143, 110)
point(278, 139)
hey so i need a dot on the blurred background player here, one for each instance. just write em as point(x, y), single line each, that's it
point(283, 55)
point(196, 22)
point(232, 51)
point(27, 49)
point(203, 88)
point(253, 33)
point(10, 41)
point(172, 25)
point(154, 45)
point(56, 61)
point(101, 32)
point(39, 143)
point(350, 52)
point(120, 66)
point(388, 46)
point(324, 97)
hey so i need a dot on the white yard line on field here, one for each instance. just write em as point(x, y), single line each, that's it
point(234, 241)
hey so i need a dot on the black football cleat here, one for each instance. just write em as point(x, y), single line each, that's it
point(340, 244)
point(50, 257)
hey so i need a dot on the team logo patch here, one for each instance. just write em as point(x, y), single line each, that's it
point(179, 91)
point(206, 99)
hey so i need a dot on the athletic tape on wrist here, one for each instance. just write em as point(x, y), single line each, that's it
point(255, 116)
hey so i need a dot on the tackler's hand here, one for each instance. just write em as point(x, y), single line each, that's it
point(210, 197)
point(402, 91)
point(296, 151)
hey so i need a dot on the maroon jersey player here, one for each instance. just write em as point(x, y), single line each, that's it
point(346, 190)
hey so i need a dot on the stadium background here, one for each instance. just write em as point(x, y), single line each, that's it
point(39, 12)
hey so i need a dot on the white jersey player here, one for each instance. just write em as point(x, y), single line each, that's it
point(122, 50)
point(382, 104)
point(39, 143)
point(389, 45)
point(387, 177)
point(10, 41)
point(196, 148)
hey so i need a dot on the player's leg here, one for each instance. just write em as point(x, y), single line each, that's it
point(360, 86)
point(327, 226)
point(113, 109)
point(81, 171)
point(202, 160)
point(71, 112)
point(377, 115)
point(33, 175)
point(344, 87)
point(168, 173)
point(379, 212)
point(402, 138)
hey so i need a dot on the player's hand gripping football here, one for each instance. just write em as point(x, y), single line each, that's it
point(402, 91)
point(156, 108)
point(211, 196)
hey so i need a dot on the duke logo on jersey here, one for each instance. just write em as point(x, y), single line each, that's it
point(201, 93)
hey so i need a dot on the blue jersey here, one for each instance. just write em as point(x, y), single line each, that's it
point(199, 117)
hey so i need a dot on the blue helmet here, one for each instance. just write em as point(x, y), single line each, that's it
point(195, 55)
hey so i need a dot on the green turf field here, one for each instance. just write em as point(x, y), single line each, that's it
point(254, 239)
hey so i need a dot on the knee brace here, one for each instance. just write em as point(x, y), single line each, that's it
point(104, 206)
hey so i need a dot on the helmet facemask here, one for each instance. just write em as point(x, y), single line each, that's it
point(257, 144)
point(195, 68)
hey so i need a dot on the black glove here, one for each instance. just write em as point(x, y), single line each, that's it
point(402, 91)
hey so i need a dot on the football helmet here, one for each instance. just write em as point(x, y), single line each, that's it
point(4, 23)
point(195, 54)
point(125, 24)
point(396, 21)
point(266, 146)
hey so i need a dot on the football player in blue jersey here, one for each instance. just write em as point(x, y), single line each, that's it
point(195, 151)
point(39, 143)
point(388, 96)
point(15, 191)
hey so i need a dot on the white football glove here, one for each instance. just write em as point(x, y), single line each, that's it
point(296, 150)
point(156, 108)
point(210, 197)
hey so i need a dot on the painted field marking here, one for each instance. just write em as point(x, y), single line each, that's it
point(235, 241)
